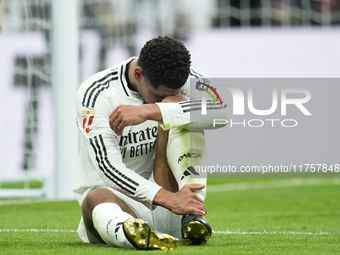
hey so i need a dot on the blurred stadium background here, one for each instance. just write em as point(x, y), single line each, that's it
point(227, 38)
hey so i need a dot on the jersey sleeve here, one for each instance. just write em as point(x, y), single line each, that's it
point(102, 146)
point(189, 114)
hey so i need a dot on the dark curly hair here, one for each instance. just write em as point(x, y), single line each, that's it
point(165, 61)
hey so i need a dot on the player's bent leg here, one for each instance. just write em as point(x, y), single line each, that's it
point(185, 151)
point(111, 220)
point(181, 151)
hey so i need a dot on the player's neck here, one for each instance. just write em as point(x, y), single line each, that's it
point(132, 65)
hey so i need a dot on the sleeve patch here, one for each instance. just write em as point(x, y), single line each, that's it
point(87, 112)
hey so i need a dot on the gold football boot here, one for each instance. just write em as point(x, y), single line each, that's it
point(143, 237)
point(195, 230)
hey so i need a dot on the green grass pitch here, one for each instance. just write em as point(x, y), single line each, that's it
point(303, 219)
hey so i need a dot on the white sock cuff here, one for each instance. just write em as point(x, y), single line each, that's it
point(104, 206)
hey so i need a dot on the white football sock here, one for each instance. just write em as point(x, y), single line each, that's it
point(108, 220)
point(185, 151)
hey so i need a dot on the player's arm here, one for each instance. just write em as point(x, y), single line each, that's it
point(186, 114)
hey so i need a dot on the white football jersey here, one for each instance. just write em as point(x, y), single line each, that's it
point(125, 162)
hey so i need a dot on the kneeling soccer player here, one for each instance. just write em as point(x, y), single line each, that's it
point(139, 145)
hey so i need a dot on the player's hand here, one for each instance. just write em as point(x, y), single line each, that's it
point(129, 115)
point(126, 115)
point(185, 201)
point(188, 202)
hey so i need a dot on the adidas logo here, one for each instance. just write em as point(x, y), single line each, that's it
point(118, 226)
point(190, 170)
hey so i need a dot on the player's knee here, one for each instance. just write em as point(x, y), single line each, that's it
point(175, 99)
point(98, 196)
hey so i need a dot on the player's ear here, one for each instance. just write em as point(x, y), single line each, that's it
point(138, 73)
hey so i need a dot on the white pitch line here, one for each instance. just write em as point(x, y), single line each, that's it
point(272, 184)
point(228, 232)
point(20, 201)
